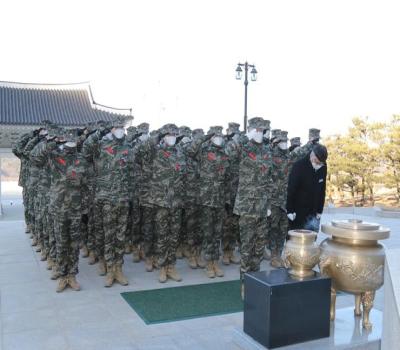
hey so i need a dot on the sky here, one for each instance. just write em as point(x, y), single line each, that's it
point(320, 63)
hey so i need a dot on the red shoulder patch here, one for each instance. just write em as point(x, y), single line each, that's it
point(252, 155)
point(211, 156)
point(166, 154)
point(110, 150)
point(177, 167)
point(73, 173)
point(61, 161)
point(77, 162)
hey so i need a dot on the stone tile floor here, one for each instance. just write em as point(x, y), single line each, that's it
point(33, 316)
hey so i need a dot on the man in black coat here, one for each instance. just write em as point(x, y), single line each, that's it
point(306, 190)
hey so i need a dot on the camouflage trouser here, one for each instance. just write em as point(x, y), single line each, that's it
point(31, 208)
point(252, 242)
point(278, 229)
point(148, 230)
point(41, 224)
point(133, 234)
point(167, 225)
point(211, 226)
point(182, 239)
point(67, 232)
point(111, 221)
point(91, 227)
point(25, 200)
point(52, 235)
point(230, 230)
point(194, 233)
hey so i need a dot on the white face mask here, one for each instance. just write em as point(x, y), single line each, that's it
point(316, 166)
point(109, 136)
point(144, 137)
point(170, 140)
point(282, 145)
point(119, 133)
point(61, 147)
point(255, 135)
point(43, 132)
point(70, 144)
point(217, 140)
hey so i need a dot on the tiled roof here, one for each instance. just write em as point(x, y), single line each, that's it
point(69, 105)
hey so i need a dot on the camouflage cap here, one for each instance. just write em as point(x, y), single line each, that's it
point(46, 123)
point(154, 133)
point(314, 134)
point(119, 122)
point(234, 127)
point(197, 132)
point(69, 135)
point(170, 129)
point(216, 130)
point(295, 141)
point(267, 124)
point(256, 123)
point(131, 130)
point(275, 134)
point(185, 131)
point(143, 128)
point(53, 131)
point(283, 136)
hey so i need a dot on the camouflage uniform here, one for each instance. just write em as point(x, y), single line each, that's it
point(230, 229)
point(184, 136)
point(252, 200)
point(67, 180)
point(213, 176)
point(278, 220)
point(166, 187)
point(114, 167)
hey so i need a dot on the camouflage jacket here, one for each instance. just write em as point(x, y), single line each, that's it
point(43, 184)
point(233, 176)
point(213, 175)
point(253, 194)
point(67, 175)
point(166, 182)
point(300, 152)
point(280, 177)
point(143, 168)
point(18, 150)
point(113, 164)
point(192, 174)
point(33, 169)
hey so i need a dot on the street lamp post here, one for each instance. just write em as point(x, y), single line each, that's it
point(253, 77)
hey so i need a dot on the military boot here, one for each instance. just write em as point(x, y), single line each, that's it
point(217, 270)
point(276, 260)
point(119, 275)
point(102, 269)
point(127, 248)
point(200, 262)
point(192, 262)
point(135, 254)
point(92, 258)
point(38, 248)
point(109, 277)
point(226, 258)
point(85, 251)
point(34, 242)
point(54, 273)
point(73, 283)
point(50, 263)
point(62, 284)
point(163, 275)
point(173, 274)
point(27, 230)
point(149, 264)
point(186, 251)
point(234, 259)
point(142, 254)
point(210, 269)
point(43, 255)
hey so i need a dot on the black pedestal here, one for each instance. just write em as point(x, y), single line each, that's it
point(280, 310)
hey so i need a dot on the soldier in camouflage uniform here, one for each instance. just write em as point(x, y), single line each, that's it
point(67, 179)
point(18, 149)
point(166, 195)
point(230, 229)
point(278, 221)
point(213, 176)
point(252, 202)
point(185, 134)
point(114, 167)
point(192, 207)
point(135, 234)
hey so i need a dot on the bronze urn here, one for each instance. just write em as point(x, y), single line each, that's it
point(354, 260)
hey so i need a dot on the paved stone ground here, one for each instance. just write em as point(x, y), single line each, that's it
point(33, 316)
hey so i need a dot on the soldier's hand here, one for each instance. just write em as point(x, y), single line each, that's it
point(208, 137)
point(269, 212)
point(291, 216)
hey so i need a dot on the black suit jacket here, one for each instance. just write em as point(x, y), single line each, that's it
point(306, 190)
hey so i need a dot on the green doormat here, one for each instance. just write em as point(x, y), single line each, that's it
point(181, 303)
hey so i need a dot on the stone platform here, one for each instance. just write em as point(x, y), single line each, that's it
point(346, 334)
